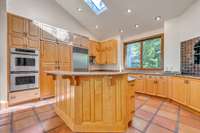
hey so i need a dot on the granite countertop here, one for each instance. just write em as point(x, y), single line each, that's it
point(66, 73)
point(188, 76)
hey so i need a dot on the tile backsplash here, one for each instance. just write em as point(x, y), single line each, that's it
point(190, 56)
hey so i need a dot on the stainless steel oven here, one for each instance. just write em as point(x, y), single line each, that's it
point(24, 60)
point(24, 81)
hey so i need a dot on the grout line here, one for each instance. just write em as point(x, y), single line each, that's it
point(154, 114)
point(38, 119)
point(178, 120)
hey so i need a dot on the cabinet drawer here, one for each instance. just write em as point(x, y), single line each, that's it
point(23, 96)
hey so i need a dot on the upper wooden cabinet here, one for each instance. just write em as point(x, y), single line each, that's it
point(23, 33)
point(16, 25)
point(105, 52)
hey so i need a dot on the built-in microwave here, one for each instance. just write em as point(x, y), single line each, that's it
point(24, 60)
point(24, 81)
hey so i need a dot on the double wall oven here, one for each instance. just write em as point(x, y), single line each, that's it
point(24, 69)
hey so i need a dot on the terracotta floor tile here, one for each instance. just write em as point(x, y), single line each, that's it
point(138, 103)
point(132, 130)
point(172, 116)
point(61, 129)
point(143, 114)
point(188, 114)
point(170, 105)
point(157, 129)
point(5, 129)
point(190, 122)
point(169, 109)
point(52, 123)
point(24, 114)
point(46, 115)
point(148, 108)
point(164, 122)
point(153, 103)
point(139, 124)
point(32, 129)
point(24, 123)
point(43, 109)
point(187, 129)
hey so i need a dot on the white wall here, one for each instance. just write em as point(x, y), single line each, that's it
point(3, 52)
point(182, 28)
point(47, 11)
point(143, 35)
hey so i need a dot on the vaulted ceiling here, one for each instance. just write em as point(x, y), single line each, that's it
point(117, 17)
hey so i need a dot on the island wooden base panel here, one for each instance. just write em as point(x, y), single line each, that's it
point(94, 104)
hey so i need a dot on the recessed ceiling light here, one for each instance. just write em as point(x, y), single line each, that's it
point(137, 26)
point(80, 9)
point(121, 31)
point(97, 27)
point(158, 18)
point(129, 10)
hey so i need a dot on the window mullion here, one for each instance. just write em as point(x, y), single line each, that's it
point(141, 55)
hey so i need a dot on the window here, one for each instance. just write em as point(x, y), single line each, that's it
point(144, 54)
point(97, 6)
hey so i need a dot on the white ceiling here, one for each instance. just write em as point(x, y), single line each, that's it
point(116, 17)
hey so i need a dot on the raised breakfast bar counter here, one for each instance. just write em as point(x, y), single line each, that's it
point(93, 101)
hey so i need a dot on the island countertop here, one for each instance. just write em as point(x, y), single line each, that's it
point(67, 73)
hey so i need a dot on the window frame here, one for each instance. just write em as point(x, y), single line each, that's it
point(161, 36)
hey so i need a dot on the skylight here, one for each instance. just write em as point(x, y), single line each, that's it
point(97, 6)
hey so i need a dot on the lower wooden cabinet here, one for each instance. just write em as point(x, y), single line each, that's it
point(23, 96)
point(150, 86)
point(194, 94)
point(162, 86)
point(179, 90)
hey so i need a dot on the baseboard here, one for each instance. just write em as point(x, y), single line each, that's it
point(3, 104)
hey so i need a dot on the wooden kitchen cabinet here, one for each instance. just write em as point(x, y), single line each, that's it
point(194, 94)
point(179, 90)
point(105, 52)
point(151, 85)
point(54, 56)
point(64, 57)
point(47, 82)
point(16, 25)
point(162, 87)
point(23, 33)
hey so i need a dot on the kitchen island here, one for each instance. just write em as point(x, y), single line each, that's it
point(93, 101)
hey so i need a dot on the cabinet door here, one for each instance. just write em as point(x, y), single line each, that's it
point(98, 54)
point(16, 25)
point(140, 85)
point(17, 41)
point(151, 85)
point(111, 52)
point(194, 94)
point(49, 52)
point(48, 33)
point(162, 87)
point(33, 42)
point(47, 83)
point(65, 57)
point(33, 29)
point(179, 89)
